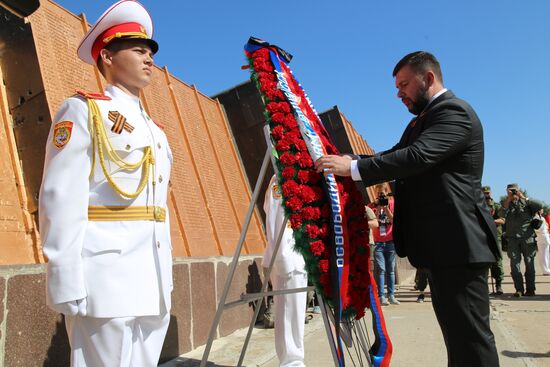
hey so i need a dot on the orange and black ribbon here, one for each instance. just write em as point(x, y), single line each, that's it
point(119, 122)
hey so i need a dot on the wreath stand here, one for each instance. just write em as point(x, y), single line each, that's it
point(258, 297)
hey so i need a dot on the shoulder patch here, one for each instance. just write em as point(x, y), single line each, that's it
point(62, 133)
point(276, 192)
point(92, 95)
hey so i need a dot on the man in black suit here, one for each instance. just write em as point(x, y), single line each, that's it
point(441, 220)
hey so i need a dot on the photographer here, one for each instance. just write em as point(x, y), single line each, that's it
point(518, 212)
point(497, 270)
point(384, 248)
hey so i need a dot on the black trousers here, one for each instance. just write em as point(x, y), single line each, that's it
point(421, 279)
point(460, 299)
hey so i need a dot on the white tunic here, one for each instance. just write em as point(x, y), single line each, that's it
point(122, 268)
point(543, 243)
point(287, 259)
point(288, 273)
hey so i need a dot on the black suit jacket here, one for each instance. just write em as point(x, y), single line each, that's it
point(441, 217)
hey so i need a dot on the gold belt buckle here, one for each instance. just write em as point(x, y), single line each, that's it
point(158, 214)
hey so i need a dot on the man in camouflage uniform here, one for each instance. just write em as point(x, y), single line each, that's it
point(518, 211)
point(497, 270)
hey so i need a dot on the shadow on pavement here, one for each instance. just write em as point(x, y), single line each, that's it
point(189, 362)
point(513, 354)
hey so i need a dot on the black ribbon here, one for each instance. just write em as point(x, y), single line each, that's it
point(260, 42)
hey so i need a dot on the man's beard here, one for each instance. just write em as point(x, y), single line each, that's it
point(421, 101)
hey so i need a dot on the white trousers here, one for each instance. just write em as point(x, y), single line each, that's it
point(544, 257)
point(116, 342)
point(290, 314)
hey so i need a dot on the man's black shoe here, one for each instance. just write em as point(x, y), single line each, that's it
point(517, 294)
point(530, 294)
point(499, 291)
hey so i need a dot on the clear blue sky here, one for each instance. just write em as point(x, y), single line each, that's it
point(494, 54)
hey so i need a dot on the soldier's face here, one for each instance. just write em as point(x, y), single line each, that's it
point(131, 65)
point(412, 89)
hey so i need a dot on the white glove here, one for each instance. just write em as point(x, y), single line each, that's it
point(71, 308)
point(82, 303)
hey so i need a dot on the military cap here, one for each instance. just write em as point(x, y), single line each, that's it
point(486, 189)
point(125, 19)
point(513, 186)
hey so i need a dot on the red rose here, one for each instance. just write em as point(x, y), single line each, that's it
point(317, 247)
point(277, 117)
point(260, 64)
point(294, 204)
point(311, 213)
point(294, 134)
point(295, 221)
point(288, 173)
point(312, 230)
point(275, 94)
point(261, 52)
point(290, 122)
point(284, 107)
point(292, 137)
point(290, 188)
point(301, 145)
point(305, 161)
point(283, 144)
point(303, 176)
point(272, 107)
point(277, 132)
point(268, 86)
point(287, 159)
point(264, 77)
point(307, 194)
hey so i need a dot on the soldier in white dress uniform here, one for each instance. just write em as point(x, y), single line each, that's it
point(103, 214)
point(287, 273)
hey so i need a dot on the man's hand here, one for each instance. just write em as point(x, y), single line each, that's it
point(335, 164)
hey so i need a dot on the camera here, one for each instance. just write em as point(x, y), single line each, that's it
point(382, 200)
point(513, 191)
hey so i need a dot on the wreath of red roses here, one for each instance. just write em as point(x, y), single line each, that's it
point(304, 198)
